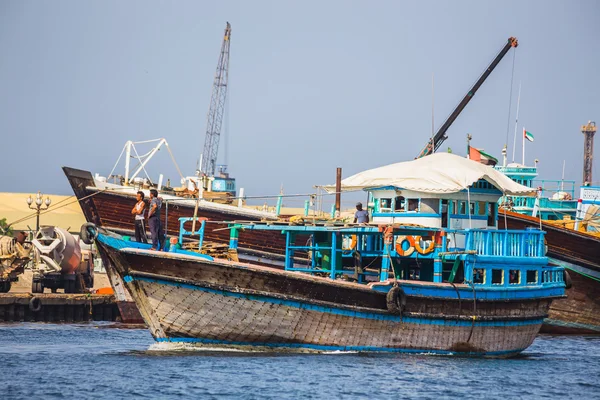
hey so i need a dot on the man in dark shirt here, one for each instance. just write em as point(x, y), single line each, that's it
point(154, 220)
point(361, 216)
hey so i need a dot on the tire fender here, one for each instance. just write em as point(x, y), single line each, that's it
point(567, 279)
point(88, 233)
point(396, 300)
point(35, 304)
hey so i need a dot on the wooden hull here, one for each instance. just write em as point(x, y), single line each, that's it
point(112, 210)
point(240, 306)
point(579, 313)
point(563, 244)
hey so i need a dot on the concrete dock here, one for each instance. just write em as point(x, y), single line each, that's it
point(57, 307)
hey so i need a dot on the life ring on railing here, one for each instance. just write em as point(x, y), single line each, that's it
point(353, 242)
point(428, 249)
point(396, 300)
point(411, 242)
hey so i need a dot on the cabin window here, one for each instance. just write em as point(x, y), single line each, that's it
point(479, 275)
point(385, 205)
point(514, 276)
point(491, 214)
point(413, 205)
point(497, 276)
point(453, 209)
point(399, 204)
point(531, 277)
point(431, 206)
point(462, 208)
point(472, 208)
point(481, 208)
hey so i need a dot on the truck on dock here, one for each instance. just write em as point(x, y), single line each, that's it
point(13, 257)
point(58, 262)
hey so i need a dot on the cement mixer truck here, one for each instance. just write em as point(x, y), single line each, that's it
point(58, 262)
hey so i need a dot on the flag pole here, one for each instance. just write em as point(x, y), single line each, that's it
point(523, 146)
point(516, 123)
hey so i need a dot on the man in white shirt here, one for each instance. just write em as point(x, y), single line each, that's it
point(361, 216)
point(138, 210)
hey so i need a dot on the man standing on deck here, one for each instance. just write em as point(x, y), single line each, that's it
point(154, 220)
point(139, 210)
point(361, 216)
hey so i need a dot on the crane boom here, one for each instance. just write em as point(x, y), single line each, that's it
point(440, 135)
point(216, 109)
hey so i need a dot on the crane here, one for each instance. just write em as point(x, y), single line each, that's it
point(439, 137)
point(217, 107)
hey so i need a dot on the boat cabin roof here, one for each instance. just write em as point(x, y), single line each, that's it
point(440, 173)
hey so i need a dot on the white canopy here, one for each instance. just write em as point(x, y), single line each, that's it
point(436, 173)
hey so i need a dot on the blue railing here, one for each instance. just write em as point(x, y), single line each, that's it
point(552, 275)
point(517, 170)
point(506, 243)
point(200, 223)
point(529, 202)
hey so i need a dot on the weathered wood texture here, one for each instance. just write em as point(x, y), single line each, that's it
point(191, 313)
point(113, 210)
point(255, 279)
point(579, 313)
point(253, 305)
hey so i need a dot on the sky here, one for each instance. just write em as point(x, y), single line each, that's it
point(314, 85)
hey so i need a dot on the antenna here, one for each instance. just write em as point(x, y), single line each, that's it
point(432, 114)
point(516, 123)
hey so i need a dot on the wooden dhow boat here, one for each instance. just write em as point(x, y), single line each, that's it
point(574, 245)
point(431, 274)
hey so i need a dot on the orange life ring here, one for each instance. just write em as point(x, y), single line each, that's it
point(428, 249)
point(352, 243)
point(411, 248)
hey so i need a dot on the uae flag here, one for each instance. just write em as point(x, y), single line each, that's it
point(481, 156)
point(527, 135)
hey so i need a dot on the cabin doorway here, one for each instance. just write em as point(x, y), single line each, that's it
point(444, 213)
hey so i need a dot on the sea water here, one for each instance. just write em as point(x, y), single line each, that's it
point(99, 361)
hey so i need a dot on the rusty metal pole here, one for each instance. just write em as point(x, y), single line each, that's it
point(338, 192)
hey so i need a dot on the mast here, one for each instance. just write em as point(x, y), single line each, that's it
point(216, 109)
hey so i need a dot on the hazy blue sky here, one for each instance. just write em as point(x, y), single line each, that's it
point(313, 84)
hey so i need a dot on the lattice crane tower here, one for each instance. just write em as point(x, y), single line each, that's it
point(217, 107)
point(588, 131)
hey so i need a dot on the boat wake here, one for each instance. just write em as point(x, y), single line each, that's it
point(185, 347)
point(178, 347)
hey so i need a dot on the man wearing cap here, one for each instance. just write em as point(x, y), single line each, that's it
point(361, 216)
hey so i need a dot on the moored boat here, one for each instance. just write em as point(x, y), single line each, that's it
point(574, 245)
point(450, 283)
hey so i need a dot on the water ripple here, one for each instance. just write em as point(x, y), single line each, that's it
point(92, 361)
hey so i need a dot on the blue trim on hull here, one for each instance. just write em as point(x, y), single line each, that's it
point(317, 347)
point(572, 325)
point(340, 311)
point(490, 293)
point(120, 244)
